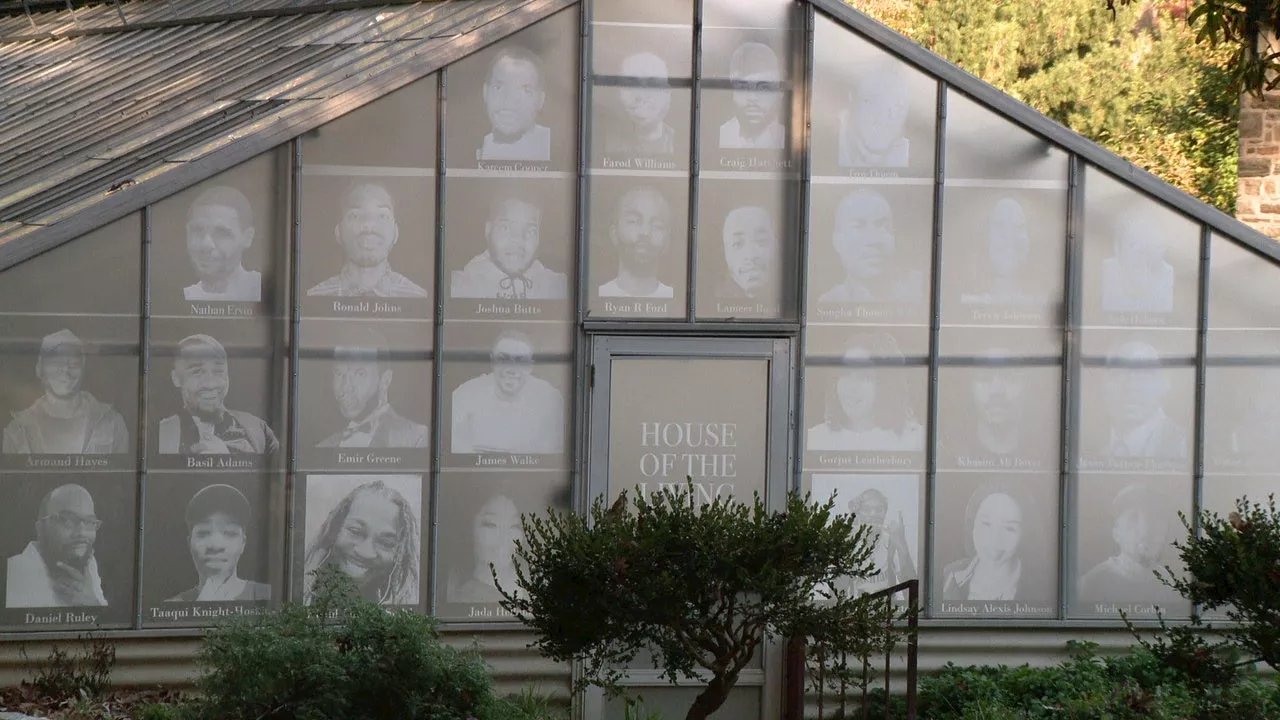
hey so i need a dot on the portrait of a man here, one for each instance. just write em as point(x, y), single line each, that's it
point(1137, 278)
point(220, 228)
point(645, 100)
point(755, 75)
point(205, 426)
point(58, 568)
point(509, 268)
point(66, 418)
point(362, 377)
point(372, 534)
point(509, 409)
point(1136, 387)
point(1008, 252)
point(751, 255)
point(871, 125)
point(218, 521)
point(864, 239)
point(1143, 527)
point(366, 231)
point(514, 92)
point(998, 423)
point(641, 233)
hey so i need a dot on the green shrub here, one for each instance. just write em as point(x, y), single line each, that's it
point(300, 663)
point(1141, 683)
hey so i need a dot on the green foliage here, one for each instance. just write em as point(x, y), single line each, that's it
point(1246, 29)
point(698, 586)
point(1137, 83)
point(65, 675)
point(1233, 566)
point(341, 657)
point(1137, 684)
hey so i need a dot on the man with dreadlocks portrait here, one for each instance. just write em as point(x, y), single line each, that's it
point(371, 534)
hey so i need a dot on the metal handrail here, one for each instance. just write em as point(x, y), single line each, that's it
point(797, 672)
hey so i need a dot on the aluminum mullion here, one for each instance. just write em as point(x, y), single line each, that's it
point(1068, 399)
point(437, 350)
point(801, 118)
point(1202, 361)
point(925, 566)
point(144, 370)
point(695, 148)
point(295, 333)
point(579, 489)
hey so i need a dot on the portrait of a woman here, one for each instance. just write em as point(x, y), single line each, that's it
point(997, 563)
point(217, 522)
point(372, 535)
point(494, 531)
point(867, 406)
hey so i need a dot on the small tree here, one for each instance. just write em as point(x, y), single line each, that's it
point(1233, 565)
point(700, 586)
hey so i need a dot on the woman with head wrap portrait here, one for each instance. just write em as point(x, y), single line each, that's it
point(372, 536)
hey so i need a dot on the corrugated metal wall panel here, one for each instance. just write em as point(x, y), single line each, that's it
point(169, 660)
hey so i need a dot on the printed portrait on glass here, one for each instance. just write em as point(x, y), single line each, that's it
point(514, 94)
point(508, 266)
point(870, 253)
point(1132, 530)
point(220, 228)
point(752, 256)
point(866, 403)
point(873, 115)
point(366, 229)
point(361, 381)
point(1132, 410)
point(512, 105)
point(219, 521)
point(1000, 411)
point(217, 248)
point(872, 125)
point(641, 98)
point(1007, 248)
point(508, 409)
point(864, 240)
point(59, 567)
point(66, 418)
point(1141, 259)
point(755, 74)
point(641, 233)
point(889, 505)
point(1137, 277)
point(369, 528)
point(205, 425)
point(645, 102)
point(69, 546)
point(639, 246)
point(1006, 564)
point(479, 528)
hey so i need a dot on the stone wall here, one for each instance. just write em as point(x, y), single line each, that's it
point(1258, 203)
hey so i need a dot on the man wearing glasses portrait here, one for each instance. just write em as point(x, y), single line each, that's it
point(58, 568)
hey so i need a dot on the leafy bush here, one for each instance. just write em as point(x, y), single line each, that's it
point(300, 663)
point(1137, 684)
